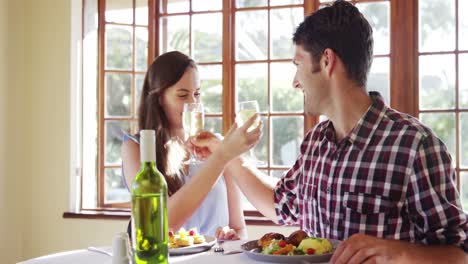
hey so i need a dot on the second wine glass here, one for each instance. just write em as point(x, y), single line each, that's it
point(246, 110)
point(193, 121)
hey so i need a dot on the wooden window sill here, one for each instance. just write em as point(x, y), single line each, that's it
point(251, 217)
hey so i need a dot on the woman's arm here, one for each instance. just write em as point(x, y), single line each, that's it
point(236, 212)
point(187, 199)
point(130, 160)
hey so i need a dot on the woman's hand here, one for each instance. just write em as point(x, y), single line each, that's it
point(236, 142)
point(203, 144)
point(226, 233)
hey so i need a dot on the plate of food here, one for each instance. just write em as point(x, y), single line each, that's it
point(297, 248)
point(189, 242)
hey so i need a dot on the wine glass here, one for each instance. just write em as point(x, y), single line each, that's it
point(246, 110)
point(193, 121)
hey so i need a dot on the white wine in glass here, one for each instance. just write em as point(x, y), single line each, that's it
point(246, 110)
point(193, 121)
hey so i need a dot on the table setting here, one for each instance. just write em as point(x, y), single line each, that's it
point(210, 251)
point(103, 255)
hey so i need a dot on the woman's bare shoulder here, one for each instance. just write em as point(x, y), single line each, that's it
point(130, 148)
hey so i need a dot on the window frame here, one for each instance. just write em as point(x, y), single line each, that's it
point(403, 80)
point(456, 110)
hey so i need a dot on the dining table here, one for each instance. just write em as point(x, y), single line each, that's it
point(92, 257)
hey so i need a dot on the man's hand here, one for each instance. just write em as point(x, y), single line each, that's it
point(237, 141)
point(366, 249)
point(361, 248)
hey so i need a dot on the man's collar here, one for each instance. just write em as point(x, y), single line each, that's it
point(362, 133)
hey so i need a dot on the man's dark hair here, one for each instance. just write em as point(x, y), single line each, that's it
point(342, 28)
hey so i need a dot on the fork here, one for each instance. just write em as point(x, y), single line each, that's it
point(220, 249)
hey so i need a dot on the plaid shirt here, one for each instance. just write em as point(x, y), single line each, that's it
point(391, 177)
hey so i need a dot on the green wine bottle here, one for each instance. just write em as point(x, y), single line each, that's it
point(149, 207)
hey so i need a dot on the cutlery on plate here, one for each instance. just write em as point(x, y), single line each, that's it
point(219, 248)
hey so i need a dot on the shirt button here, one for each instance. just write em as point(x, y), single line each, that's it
point(328, 189)
point(327, 222)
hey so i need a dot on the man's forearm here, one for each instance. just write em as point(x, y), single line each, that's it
point(258, 192)
point(433, 254)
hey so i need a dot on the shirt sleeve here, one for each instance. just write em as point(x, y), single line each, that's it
point(433, 201)
point(287, 189)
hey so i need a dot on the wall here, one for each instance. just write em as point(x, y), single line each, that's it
point(47, 53)
point(35, 190)
point(11, 123)
point(4, 218)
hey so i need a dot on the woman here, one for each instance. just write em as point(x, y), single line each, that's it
point(198, 197)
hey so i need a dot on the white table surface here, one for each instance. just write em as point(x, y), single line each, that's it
point(90, 257)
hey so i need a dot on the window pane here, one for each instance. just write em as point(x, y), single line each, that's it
point(287, 135)
point(251, 84)
point(436, 25)
point(141, 12)
point(251, 35)
point(443, 126)
point(379, 78)
point(378, 15)
point(211, 77)
point(139, 79)
point(250, 3)
point(464, 190)
point(174, 6)
point(114, 188)
point(437, 82)
point(117, 88)
point(203, 5)
point(174, 34)
point(285, 97)
point(119, 11)
point(278, 174)
point(114, 133)
point(464, 140)
point(283, 24)
point(119, 45)
point(207, 37)
point(285, 2)
point(463, 80)
point(141, 50)
point(462, 25)
point(214, 124)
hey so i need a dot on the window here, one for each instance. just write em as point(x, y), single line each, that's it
point(443, 89)
point(244, 50)
point(252, 68)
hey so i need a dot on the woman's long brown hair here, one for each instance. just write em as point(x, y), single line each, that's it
point(165, 71)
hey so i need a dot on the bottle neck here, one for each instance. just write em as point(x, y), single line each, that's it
point(147, 150)
point(148, 164)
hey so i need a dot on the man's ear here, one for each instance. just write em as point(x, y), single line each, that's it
point(329, 61)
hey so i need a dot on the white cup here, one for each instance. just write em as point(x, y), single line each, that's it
point(120, 249)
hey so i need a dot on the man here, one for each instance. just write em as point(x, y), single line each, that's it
point(373, 177)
